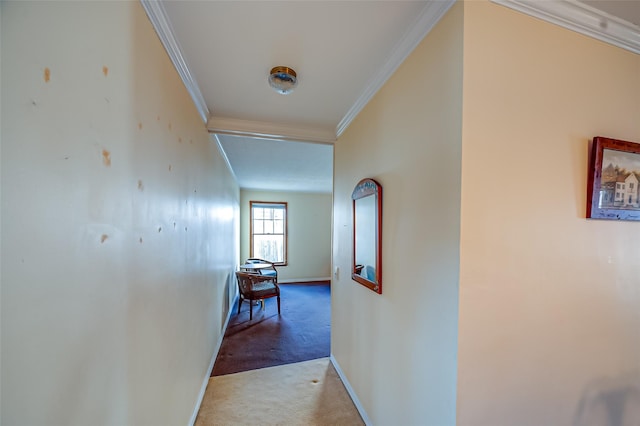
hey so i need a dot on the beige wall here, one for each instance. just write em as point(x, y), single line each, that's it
point(398, 349)
point(119, 222)
point(549, 301)
point(309, 233)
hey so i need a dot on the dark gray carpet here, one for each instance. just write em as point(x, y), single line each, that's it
point(300, 333)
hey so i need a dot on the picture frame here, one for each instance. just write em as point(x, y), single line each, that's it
point(613, 188)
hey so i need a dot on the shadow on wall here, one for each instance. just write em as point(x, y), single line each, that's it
point(610, 402)
point(229, 287)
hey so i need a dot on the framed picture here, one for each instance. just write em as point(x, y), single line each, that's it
point(614, 180)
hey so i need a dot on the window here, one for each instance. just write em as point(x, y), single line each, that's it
point(268, 231)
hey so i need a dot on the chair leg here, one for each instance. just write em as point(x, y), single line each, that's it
point(278, 305)
point(239, 303)
point(250, 309)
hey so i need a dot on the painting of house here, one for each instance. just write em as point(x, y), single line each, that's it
point(620, 186)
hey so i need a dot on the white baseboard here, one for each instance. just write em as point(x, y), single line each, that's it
point(350, 391)
point(213, 360)
point(303, 280)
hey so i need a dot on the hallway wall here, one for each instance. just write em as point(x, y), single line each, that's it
point(549, 301)
point(398, 349)
point(119, 222)
point(549, 322)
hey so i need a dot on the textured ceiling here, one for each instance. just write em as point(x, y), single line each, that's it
point(265, 164)
point(335, 47)
point(340, 51)
point(627, 10)
point(343, 51)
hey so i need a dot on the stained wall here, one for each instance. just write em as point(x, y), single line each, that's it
point(119, 222)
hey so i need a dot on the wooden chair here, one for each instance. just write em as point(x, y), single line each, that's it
point(270, 272)
point(256, 287)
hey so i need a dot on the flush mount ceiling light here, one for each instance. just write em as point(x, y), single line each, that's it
point(283, 80)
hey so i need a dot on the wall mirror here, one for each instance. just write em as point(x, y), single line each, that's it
point(367, 233)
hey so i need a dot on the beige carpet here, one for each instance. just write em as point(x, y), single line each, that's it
point(305, 393)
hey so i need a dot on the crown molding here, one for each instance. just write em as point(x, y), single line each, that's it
point(260, 129)
point(224, 155)
point(582, 18)
point(160, 21)
point(428, 18)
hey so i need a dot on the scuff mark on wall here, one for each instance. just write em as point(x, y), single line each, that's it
point(47, 75)
point(105, 70)
point(140, 185)
point(106, 158)
point(169, 126)
point(103, 238)
point(140, 240)
point(140, 125)
point(179, 140)
point(169, 167)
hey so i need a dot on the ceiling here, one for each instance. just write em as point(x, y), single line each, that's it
point(342, 51)
point(628, 10)
point(257, 164)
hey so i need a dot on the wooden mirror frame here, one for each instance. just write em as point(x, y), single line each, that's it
point(368, 188)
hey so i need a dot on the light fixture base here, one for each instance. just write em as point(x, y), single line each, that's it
point(283, 79)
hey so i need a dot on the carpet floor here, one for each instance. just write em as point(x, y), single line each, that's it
point(302, 332)
point(308, 393)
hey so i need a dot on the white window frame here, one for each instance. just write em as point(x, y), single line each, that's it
point(269, 204)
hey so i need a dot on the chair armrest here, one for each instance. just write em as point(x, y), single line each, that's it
point(261, 278)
